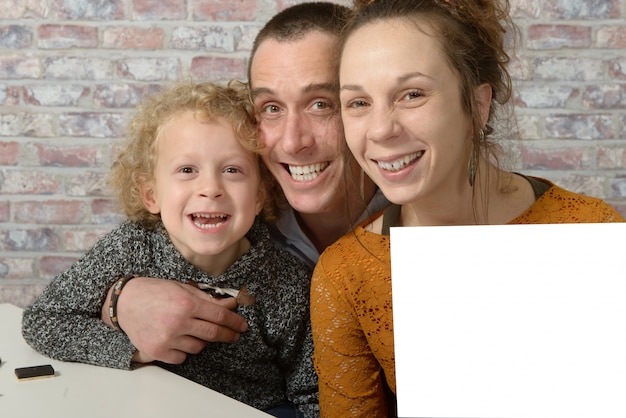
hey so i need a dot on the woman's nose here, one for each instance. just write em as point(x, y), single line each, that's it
point(382, 124)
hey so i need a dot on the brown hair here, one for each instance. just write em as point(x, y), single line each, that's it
point(297, 21)
point(135, 164)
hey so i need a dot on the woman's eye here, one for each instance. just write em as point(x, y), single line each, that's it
point(412, 95)
point(357, 103)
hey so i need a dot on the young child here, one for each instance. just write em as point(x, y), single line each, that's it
point(192, 184)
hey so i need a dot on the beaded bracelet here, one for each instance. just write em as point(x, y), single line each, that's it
point(117, 290)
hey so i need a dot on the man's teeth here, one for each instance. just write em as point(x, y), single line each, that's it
point(208, 221)
point(307, 172)
point(401, 163)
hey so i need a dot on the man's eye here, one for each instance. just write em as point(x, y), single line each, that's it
point(320, 105)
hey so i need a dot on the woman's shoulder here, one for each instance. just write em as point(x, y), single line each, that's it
point(559, 205)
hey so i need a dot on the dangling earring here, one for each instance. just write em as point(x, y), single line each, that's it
point(472, 165)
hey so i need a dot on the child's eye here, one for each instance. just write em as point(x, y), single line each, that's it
point(186, 170)
point(232, 170)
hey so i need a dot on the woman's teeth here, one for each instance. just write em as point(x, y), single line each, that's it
point(401, 163)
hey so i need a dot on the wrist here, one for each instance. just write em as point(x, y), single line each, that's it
point(115, 292)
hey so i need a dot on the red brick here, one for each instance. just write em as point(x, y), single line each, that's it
point(618, 187)
point(5, 211)
point(206, 38)
point(526, 9)
point(19, 66)
point(87, 10)
point(605, 96)
point(26, 124)
point(568, 69)
point(16, 268)
point(15, 37)
point(555, 159)
point(159, 10)
point(150, 69)
point(67, 36)
point(224, 11)
point(55, 94)
point(9, 152)
point(20, 9)
point(106, 211)
point(28, 182)
point(581, 9)
point(612, 158)
point(559, 36)
point(611, 37)
point(69, 212)
point(68, 156)
point(31, 239)
point(78, 68)
point(579, 126)
point(122, 95)
point(617, 69)
point(10, 95)
point(82, 240)
point(122, 37)
point(51, 266)
point(218, 68)
point(540, 96)
point(91, 124)
point(21, 295)
point(88, 183)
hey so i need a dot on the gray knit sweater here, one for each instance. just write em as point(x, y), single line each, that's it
point(269, 365)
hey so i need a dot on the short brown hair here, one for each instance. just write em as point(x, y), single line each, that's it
point(295, 22)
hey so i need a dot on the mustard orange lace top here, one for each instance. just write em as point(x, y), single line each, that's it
point(351, 307)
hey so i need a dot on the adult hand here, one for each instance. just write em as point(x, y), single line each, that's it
point(166, 320)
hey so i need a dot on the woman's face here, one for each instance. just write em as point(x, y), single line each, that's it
point(402, 114)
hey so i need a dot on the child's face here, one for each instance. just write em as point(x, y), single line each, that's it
point(207, 190)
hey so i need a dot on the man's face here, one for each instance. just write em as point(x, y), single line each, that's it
point(293, 86)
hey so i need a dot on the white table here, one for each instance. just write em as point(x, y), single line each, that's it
point(81, 390)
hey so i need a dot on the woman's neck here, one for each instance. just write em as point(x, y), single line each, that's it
point(496, 198)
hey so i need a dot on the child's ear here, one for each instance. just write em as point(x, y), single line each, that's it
point(148, 196)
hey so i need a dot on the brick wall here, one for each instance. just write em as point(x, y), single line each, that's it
point(71, 72)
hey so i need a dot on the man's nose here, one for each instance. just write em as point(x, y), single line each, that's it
point(298, 134)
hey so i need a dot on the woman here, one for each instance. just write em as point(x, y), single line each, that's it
point(420, 83)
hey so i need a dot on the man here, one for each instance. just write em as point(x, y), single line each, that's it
point(293, 82)
point(292, 75)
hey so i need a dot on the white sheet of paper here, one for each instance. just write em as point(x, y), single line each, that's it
point(524, 321)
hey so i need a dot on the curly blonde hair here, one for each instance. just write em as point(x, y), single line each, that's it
point(135, 164)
